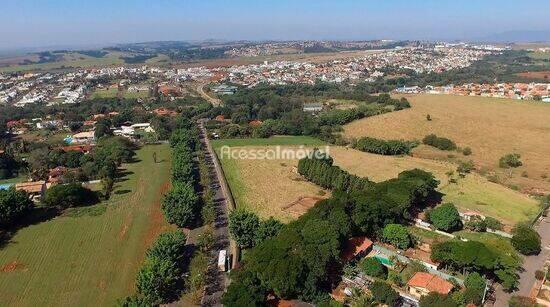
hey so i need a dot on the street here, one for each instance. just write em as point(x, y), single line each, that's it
point(216, 281)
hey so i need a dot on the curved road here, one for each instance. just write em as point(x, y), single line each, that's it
point(214, 101)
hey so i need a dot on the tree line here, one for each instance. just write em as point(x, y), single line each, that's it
point(384, 147)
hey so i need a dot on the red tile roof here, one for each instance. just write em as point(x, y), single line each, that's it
point(430, 282)
point(355, 246)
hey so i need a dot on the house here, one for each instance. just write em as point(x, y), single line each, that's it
point(130, 131)
point(423, 283)
point(83, 138)
point(468, 215)
point(80, 148)
point(224, 89)
point(313, 107)
point(219, 118)
point(34, 189)
point(255, 123)
point(356, 247)
point(164, 112)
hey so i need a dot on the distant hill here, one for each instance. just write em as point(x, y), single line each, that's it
point(517, 37)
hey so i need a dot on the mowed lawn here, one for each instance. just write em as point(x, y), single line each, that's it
point(270, 187)
point(491, 127)
point(473, 192)
point(90, 256)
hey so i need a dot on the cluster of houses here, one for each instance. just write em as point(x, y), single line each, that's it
point(523, 91)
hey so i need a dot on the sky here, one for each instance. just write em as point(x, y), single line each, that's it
point(42, 23)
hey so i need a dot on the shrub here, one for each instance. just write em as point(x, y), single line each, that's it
point(465, 167)
point(526, 240)
point(69, 195)
point(493, 223)
point(384, 293)
point(13, 205)
point(372, 267)
point(134, 301)
point(467, 151)
point(445, 217)
point(475, 288)
point(439, 142)
point(434, 299)
point(397, 235)
point(539, 274)
point(510, 160)
point(476, 223)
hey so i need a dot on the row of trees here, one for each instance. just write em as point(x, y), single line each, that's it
point(181, 205)
point(319, 169)
point(384, 147)
point(247, 229)
point(296, 262)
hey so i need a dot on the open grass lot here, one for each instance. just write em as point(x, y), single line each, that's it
point(473, 192)
point(135, 95)
point(105, 93)
point(492, 127)
point(269, 187)
point(89, 256)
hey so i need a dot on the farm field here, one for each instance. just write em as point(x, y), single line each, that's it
point(89, 256)
point(491, 127)
point(270, 188)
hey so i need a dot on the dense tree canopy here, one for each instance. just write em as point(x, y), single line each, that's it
point(445, 217)
point(13, 206)
point(69, 195)
point(181, 205)
point(397, 235)
point(526, 240)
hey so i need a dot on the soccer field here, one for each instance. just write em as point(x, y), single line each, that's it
point(89, 256)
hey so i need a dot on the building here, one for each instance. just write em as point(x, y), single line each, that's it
point(34, 189)
point(356, 247)
point(423, 283)
point(313, 107)
point(224, 89)
point(83, 137)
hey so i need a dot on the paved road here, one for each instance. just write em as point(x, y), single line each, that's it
point(530, 265)
point(216, 281)
point(214, 101)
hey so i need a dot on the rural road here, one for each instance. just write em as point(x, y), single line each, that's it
point(216, 281)
point(530, 265)
point(214, 101)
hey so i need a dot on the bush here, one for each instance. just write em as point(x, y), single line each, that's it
point(465, 167)
point(467, 151)
point(526, 240)
point(372, 267)
point(69, 195)
point(134, 301)
point(493, 223)
point(397, 235)
point(384, 293)
point(510, 160)
point(181, 205)
point(476, 223)
point(539, 274)
point(445, 217)
point(13, 206)
point(521, 301)
point(434, 299)
point(439, 142)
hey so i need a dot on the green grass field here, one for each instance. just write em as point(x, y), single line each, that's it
point(105, 93)
point(89, 256)
point(272, 141)
point(135, 95)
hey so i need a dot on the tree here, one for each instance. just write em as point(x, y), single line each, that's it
point(102, 128)
point(268, 229)
point(434, 299)
point(475, 288)
point(372, 267)
point(397, 235)
point(13, 206)
point(159, 281)
point(181, 205)
point(384, 293)
point(510, 160)
point(526, 240)
point(244, 290)
point(445, 217)
point(69, 195)
point(170, 246)
point(243, 226)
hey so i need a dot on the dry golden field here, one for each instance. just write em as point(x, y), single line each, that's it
point(270, 188)
point(472, 192)
point(491, 127)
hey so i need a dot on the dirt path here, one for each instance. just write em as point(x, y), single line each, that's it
point(214, 101)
